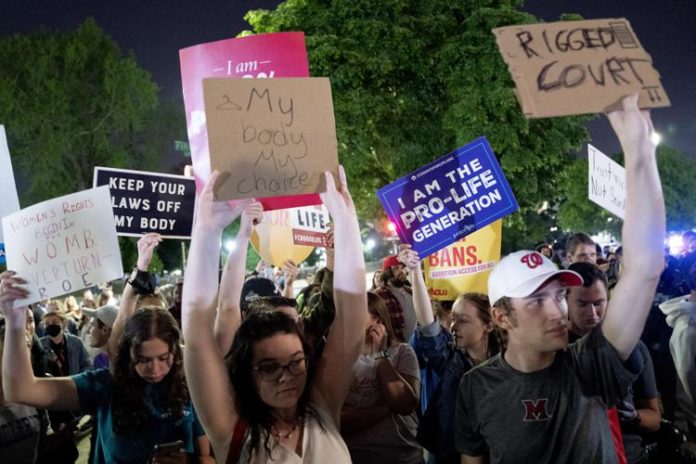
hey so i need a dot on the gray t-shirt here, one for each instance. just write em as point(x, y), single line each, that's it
point(555, 415)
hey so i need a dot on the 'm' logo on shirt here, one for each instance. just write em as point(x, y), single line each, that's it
point(535, 410)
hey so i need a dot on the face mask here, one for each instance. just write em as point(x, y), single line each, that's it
point(53, 330)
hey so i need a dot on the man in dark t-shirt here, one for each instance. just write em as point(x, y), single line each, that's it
point(542, 401)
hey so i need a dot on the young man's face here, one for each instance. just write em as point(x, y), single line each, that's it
point(586, 307)
point(540, 320)
point(584, 253)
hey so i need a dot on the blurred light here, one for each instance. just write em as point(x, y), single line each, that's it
point(676, 244)
point(553, 229)
point(609, 219)
point(176, 272)
point(391, 226)
point(230, 245)
point(370, 244)
point(656, 138)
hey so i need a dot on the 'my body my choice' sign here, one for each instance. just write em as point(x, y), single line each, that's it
point(449, 198)
point(147, 202)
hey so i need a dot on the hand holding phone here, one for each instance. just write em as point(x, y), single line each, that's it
point(166, 453)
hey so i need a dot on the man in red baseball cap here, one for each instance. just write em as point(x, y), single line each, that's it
point(395, 290)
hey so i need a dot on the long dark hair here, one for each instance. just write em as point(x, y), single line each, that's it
point(257, 414)
point(497, 337)
point(129, 395)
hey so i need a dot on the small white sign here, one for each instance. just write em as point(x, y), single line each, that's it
point(607, 182)
point(9, 203)
point(309, 225)
point(63, 245)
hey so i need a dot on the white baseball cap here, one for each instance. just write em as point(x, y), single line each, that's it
point(107, 314)
point(519, 274)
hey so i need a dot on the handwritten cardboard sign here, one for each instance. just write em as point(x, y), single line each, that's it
point(578, 67)
point(64, 245)
point(274, 239)
point(464, 265)
point(262, 56)
point(607, 182)
point(270, 137)
point(309, 225)
point(149, 202)
point(448, 198)
point(9, 203)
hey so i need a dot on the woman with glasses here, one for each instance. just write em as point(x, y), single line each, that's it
point(264, 401)
point(141, 403)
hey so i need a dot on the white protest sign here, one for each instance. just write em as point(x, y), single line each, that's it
point(309, 225)
point(64, 245)
point(9, 203)
point(607, 182)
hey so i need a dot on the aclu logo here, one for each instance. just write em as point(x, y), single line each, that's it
point(438, 291)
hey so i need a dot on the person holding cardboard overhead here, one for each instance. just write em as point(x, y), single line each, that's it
point(266, 400)
point(542, 401)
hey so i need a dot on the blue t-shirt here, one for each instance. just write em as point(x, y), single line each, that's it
point(95, 390)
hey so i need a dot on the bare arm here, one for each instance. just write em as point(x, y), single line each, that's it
point(474, 459)
point(649, 410)
point(421, 299)
point(18, 381)
point(228, 312)
point(334, 373)
point(290, 272)
point(208, 381)
point(643, 230)
point(146, 246)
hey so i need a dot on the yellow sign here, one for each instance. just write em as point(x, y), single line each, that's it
point(273, 238)
point(464, 266)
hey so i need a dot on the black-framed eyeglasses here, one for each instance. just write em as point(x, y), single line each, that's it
point(272, 371)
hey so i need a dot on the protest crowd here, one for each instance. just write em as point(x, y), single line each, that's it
point(574, 355)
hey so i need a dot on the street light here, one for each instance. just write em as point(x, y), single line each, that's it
point(656, 138)
point(230, 245)
point(370, 244)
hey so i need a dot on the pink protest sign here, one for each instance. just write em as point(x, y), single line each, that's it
point(281, 54)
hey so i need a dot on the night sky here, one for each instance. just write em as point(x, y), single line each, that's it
point(155, 30)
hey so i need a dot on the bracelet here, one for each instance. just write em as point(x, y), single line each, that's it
point(384, 354)
point(142, 282)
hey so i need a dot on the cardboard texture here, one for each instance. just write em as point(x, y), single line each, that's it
point(270, 137)
point(63, 245)
point(606, 182)
point(578, 67)
point(464, 265)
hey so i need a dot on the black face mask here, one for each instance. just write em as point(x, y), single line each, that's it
point(53, 330)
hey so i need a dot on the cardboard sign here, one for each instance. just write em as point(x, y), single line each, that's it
point(281, 54)
point(309, 225)
point(578, 67)
point(273, 238)
point(464, 265)
point(64, 245)
point(9, 202)
point(607, 182)
point(448, 198)
point(148, 202)
point(270, 137)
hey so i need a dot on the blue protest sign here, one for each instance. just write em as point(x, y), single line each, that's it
point(448, 198)
point(3, 260)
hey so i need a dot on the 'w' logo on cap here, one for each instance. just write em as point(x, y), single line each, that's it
point(532, 260)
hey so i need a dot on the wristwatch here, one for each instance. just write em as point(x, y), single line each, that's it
point(384, 354)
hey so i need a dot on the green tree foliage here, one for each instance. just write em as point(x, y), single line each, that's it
point(71, 101)
point(415, 79)
point(678, 175)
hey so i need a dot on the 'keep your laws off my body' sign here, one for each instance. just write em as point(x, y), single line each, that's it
point(578, 67)
point(63, 245)
point(149, 202)
point(448, 198)
point(270, 137)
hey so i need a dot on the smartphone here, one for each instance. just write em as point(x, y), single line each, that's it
point(163, 449)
